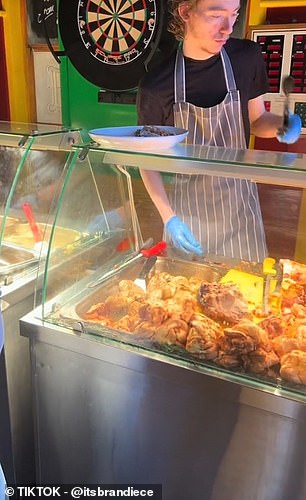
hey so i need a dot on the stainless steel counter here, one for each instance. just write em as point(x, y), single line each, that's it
point(17, 429)
point(111, 414)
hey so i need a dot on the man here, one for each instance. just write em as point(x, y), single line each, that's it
point(213, 86)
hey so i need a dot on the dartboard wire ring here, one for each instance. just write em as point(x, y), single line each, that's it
point(118, 38)
point(115, 17)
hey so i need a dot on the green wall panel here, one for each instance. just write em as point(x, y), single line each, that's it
point(80, 106)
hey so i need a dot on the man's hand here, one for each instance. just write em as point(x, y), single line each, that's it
point(182, 237)
point(293, 131)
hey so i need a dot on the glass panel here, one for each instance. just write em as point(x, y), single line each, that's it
point(240, 320)
point(96, 227)
point(242, 163)
point(32, 171)
point(29, 129)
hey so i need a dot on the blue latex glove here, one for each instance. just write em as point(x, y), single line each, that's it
point(98, 224)
point(294, 130)
point(182, 237)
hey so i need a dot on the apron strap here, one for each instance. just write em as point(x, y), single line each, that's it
point(179, 74)
point(228, 71)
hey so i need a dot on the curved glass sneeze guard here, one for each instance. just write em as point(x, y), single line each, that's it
point(32, 168)
point(95, 226)
point(93, 293)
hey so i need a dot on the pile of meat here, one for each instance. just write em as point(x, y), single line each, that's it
point(152, 131)
point(213, 322)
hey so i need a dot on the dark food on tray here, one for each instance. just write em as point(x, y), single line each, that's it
point(152, 131)
point(212, 321)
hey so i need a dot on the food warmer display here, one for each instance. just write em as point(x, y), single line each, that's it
point(32, 161)
point(151, 367)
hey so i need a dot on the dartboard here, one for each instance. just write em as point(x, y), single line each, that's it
point(110, 42)
point(117, 31)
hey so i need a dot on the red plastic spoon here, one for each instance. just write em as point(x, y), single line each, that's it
point(39, 245)
point(32, 222)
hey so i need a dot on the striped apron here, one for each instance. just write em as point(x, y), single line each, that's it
point(223, 213)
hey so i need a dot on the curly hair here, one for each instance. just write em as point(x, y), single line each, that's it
point(176, 24)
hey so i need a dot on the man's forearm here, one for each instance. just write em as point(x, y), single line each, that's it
point(267, 125)
point(156, 189)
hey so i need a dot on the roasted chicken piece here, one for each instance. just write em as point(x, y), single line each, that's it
point(116, 306)
point(145, 329)
point(284, 344)
point(293, 367)
point(180, 282)
point(248, 347)
point(229, 361)
point(183, 306)
point(96, 314)
point(127, 323)
point(130, 290)
point(294, 271)
point(130, 321)
point(260, 360)
point(274, 326)
point(135, 306)
point(154, 314)
point(294, 337)
point(298, 311)
point(301, 335)
point(172, 332)
point(194, 284)
point(161, 287)
point(293, 299)
point(96, 311)
point(202, 337)
point(223, 302)
point(243, 338)
point(164, 292)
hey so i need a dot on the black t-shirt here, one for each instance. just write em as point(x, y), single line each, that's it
point(205, 83)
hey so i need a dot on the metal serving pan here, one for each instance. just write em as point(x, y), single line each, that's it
point(9, 221)
point(175, 267)
point(20, 234)
point(13, 258)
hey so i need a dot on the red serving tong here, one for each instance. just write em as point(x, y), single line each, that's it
point(125, 245)
point(145, 252)
point(154, 250)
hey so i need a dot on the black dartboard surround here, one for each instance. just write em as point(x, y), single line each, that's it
point(111, 42)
